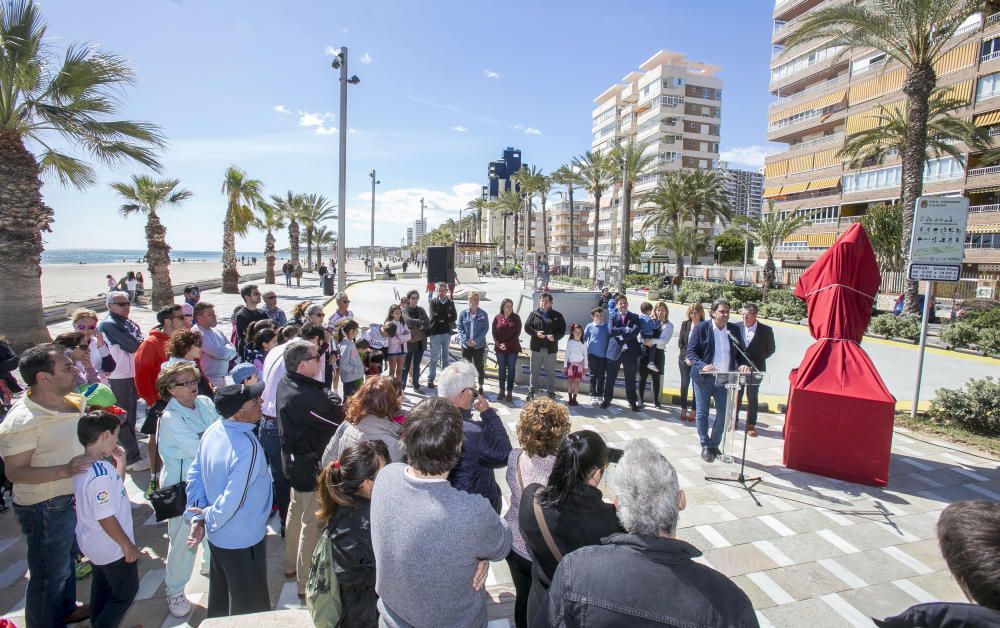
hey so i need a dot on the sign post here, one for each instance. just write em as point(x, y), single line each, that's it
point(937, 245)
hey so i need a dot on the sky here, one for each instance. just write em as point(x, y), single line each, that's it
point(445, 86)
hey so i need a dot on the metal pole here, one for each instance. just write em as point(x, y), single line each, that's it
point(746, 251)
point(928, 288)
point(342, 178)
point(372, 175)
point(571, 251)
point(423, 226)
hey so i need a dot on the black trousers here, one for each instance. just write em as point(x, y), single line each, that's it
point(520, 574)
point(596, 365)
point(752, 392)
point(644, 373)
point(685, 384)
point(478, 358)
point(629, 361)
point(112, 592)
point(414, 354)
point(237, 581)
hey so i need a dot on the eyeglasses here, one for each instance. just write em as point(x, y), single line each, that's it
point(312, 357)
point(271, 297)
point(86, 327)
point(188, 383)
point(178, 318)
point(121, 303)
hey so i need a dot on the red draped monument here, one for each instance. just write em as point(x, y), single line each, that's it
point(840, 414)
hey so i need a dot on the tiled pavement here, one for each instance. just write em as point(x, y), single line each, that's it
point(816, 551)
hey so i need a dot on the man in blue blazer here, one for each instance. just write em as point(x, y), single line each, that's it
point(712, 349)
point(623, 351)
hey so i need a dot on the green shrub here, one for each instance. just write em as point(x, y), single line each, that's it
point(976, 407)
point(664, 294)
point(989, 341)
point(780, 310)
point(982, 312)
point(638, 280)
point(883, 325)
point(959, 334)
point(907, 326)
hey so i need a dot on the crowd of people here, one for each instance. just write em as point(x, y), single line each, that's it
point(388, 518)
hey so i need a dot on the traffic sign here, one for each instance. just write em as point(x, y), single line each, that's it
point(937, 243)
point(934, 272)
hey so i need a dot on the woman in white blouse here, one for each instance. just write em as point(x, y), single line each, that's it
point(662, 315)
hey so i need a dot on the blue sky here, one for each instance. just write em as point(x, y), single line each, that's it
point(445, 86)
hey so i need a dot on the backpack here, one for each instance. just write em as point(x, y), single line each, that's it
point(322, 588)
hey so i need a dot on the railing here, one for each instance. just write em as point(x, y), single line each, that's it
point(993, 131)
point(993, 19)
point(983, 98)
point(989, 57)
point(783, 100)
point(983, 208)
point(811, 144)
point(850, 219)
point(979, 172)
point(968, 29)
point(814, 113)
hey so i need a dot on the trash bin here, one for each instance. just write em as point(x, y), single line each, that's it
point(328, 285)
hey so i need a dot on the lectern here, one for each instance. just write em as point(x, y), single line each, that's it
point(733, 380)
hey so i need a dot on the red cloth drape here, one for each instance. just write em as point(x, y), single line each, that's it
point(840, 413)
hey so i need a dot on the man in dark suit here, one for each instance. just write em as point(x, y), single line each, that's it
point(623, 351)
point(711, 351)
point(758, 339)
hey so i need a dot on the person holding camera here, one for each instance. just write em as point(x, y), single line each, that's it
point(546, 327)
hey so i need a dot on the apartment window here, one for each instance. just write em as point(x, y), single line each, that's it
point(672, 82)
point(713, 129)
point(863, 65)
point(606, 115)
point(713, 147)
point(871, 180)
point(988, 87)
point(803, 61)
point(990, 49)
point(670, 101)
point(982, 240)
point(670, 121)
point(647, 178)
point(943, 168)
point(646, 90)
point(627, 119)
point(648, 124)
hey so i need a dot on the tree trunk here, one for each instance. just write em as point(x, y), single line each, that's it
point(230, 276)
point(319, 256)
point(626, 228)
point(545, 230)
point(504, 215)
point(597, 229)
point(23, 217)
point(158, 259)
point(917, 87)
point(516, 220)
point(769, 276)
point(678, 269)
point(269, 257)
point(309, 248)
point(293, 240)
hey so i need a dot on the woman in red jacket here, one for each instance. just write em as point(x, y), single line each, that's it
point(507, 345)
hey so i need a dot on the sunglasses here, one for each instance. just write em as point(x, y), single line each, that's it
point(188, 383)
point(121, 303)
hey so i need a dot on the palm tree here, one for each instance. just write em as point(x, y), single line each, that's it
point(708, 196)
point(530, 181)
point(42, 97)
point(290, 207)
point(508, 203)
point(628, 162)
point(594, 175)
point(673, 201)
point(768, 232)
point(564, 175)
point(241, 195)
point(884, 226)
point(322, 237)
point(477, 205)
point(315, 210)
point(681, 240)
point(144, 195)
point(269, 219)
point(916, 34)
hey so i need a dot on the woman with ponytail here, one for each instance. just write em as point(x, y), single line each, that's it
point(345, 490)
point(568, 513)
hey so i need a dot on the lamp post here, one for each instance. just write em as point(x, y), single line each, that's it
point(340, 63)
point(374, 183)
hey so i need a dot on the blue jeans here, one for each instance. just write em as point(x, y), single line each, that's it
point(704, 390)
point(439, 347)
point(271, 442)
point(288, 280)
point(49, 528)
point(507, 369)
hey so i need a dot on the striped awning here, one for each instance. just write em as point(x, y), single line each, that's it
point(819, 103)
point(795, 188)
point(987, 119)
point(957, 58)
point(800, 164)
point(826, 159)
point(776, 169)
point(878, 86)
point(772, 191)
point(823, 184)
point(821, 239)
point(992, 228)
point(870, 119)
point(958, 91)
point(797, 237)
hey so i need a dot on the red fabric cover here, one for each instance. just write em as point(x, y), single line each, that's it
point(840, 414)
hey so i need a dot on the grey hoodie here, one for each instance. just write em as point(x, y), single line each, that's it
point(370, 427)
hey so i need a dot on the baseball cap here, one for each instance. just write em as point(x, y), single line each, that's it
point(187, 309)
point(242, 371)
point(229, 399)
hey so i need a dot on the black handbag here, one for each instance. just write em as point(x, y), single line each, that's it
point(170, 501)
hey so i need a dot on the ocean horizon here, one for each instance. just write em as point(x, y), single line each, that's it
point(114, 256)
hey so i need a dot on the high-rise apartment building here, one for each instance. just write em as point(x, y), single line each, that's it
point(409, 236)
point(419, 228)
point(745, 189)
point(558, 217)
point(671, 102)
point(820, 99)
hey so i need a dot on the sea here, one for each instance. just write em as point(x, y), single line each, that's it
point(111, 256)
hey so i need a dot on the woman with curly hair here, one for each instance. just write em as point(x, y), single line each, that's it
point(542, 426)
point(369, 415)
point(184, 346)
point(299, 312)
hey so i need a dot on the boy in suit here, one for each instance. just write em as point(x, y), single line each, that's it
point(624, 350)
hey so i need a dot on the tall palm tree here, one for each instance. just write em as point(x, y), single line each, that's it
point(681, 240)
point(144, 195)
point(477, 205)
point(916, 34)
point(709, 199)
point(508, 204)
point(322, 236)
point(316, 209)
point(242, 194)
point(564, 175)
point(269, 219)
point(290, 207)
point(594, 175)
point(42, 97)
point(530, 180)
point(769, 231)
point(672, 200)
point(628, 162)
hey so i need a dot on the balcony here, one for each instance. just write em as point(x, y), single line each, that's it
point(991, 20)
point(978, 209)
point(809, 145)
point(983, 172)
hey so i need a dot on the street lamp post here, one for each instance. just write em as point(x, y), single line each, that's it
point(340, 63)
point(374, 183)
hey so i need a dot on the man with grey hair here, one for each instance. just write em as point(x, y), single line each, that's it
point(123, 338)
point(443, 316)
point(645, 576)
point(758, 339)
point(309, 414)
point(485, 445)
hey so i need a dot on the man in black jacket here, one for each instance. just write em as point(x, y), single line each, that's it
point(308, 415)
point(443, 316)
point(758, 339)
point(245, 315)
point(546, 327)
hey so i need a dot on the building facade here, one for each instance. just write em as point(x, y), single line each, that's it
point(560, 221)
point(821, 99)
point(419, 229)
point(745, 189)
point(409, 236)
point(674, 104)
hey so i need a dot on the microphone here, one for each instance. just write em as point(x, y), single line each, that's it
point(736, 344)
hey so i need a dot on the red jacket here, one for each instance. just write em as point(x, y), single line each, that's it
point(508, 332)
point(150, 356)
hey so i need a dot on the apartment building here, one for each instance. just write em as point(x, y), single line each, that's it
point(409, 236)
point(820, 99)
point(671, 102)
point(559, 224)
point(745, 189)
point(419, 228)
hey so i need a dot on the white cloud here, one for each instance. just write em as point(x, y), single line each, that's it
point(460, 128)
point(281, 109)
point(325, 130)
point(330, 50)
point(317, 120)
point(366, 58)
point(491, 74)
point(527, 130)
point(752, 156)
point(396, 209)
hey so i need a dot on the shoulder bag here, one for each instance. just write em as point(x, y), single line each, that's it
point(544, 527)
point(169, 501)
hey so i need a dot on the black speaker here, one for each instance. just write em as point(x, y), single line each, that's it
point(440, 264)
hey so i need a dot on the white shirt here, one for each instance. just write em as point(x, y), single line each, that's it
point(274, 368)
point(720, 359)
point(100, 493)
point(748, 334)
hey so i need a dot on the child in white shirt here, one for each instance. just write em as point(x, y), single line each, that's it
point(576, 362)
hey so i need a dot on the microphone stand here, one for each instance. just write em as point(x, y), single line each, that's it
point(746, 483)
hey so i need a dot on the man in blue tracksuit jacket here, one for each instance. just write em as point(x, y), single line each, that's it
point(229, 500)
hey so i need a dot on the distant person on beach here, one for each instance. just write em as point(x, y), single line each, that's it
point(298, 275)
point(123, 337)
point(131, 286)
point(286, 270)
point(192, 294)
point(111, 282)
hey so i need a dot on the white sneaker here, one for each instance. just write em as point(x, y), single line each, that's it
point(178, 605)
point(594, 400)
point(140, 465)
point(652, 368)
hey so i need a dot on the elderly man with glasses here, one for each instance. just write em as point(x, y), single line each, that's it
point(272, 310)
point(123, 338)
point(485, 445)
